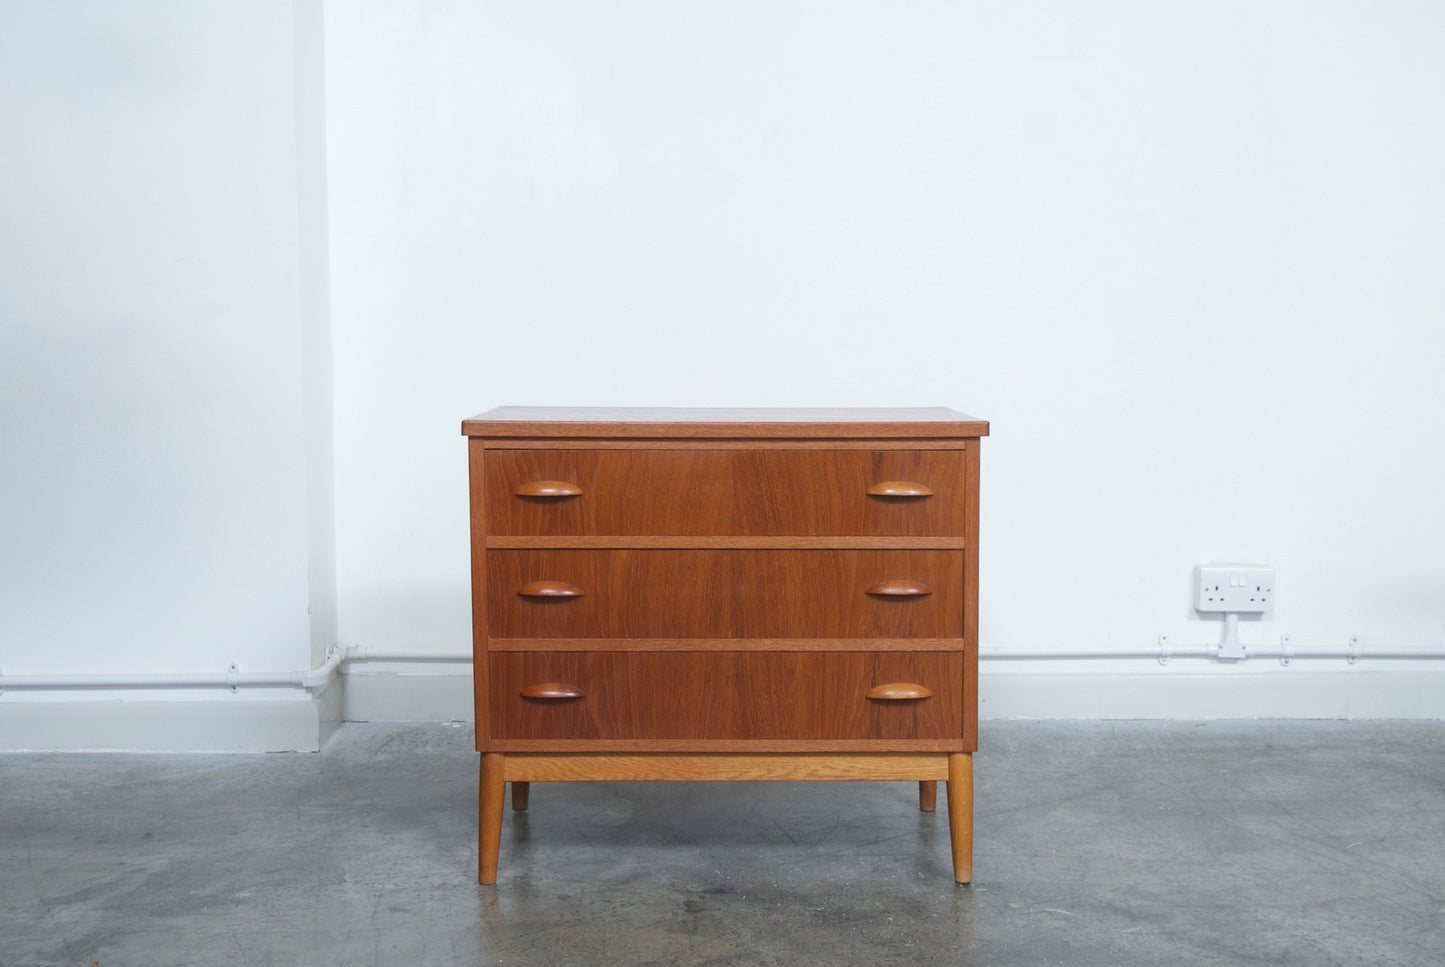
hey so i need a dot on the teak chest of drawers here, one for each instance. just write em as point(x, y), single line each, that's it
point(694, 594)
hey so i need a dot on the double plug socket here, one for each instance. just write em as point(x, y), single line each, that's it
point(1234, 588)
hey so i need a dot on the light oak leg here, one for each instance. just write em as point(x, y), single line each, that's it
point(493, 795)
point(520, 791)
point(960, 814)
point(927, 795)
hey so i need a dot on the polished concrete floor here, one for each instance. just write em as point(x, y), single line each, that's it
point(1097, 843)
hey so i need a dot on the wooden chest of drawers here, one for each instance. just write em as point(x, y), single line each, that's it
point(725, 594)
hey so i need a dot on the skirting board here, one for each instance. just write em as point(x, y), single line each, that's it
point(159, 726)
point(1139, 690)
point(408, 697)
point(1388, 692)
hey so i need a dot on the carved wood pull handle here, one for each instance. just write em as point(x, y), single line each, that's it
point(548, 488)
point(898, 692)
point(551, 589)
point(900, 589)
point(552, 691)
point(899, 488)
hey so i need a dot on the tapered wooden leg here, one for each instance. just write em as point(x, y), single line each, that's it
point(493, 795)
point(928, 795)
point(520, 791)
point(960, 814)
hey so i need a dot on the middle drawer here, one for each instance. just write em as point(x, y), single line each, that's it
point(628, 593)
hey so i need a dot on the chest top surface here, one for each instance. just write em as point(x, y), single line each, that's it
point(723, 422)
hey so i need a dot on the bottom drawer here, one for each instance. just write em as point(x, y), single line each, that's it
point(724, 695)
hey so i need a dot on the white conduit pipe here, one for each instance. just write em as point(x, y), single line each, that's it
point(233, 679)
point(317, 677)
point(336, 656)
point(363, 653)
point(1285, 651)
point(314, 678)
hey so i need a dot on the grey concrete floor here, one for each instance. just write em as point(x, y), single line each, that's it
point(1097, 843)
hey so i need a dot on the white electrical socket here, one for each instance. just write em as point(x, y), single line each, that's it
point(1234, 588)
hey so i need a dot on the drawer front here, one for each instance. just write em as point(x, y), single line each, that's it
point(724, 594)
point(725, 695)
point(725, 492)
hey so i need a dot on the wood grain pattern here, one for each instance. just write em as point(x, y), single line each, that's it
point(727, 746)
point(491, 803)
point(743, 767)
point(960, 815)
point(477, 476)
point(742, 423)
point(552, 691)
point(720, 624)
point(725, 644)
point(900, 588)
point(902, 489)
point(898, 692)
point(727, 695)
point(795, 493)
point(550, 589)
point(665, 542)
point(970, 594)
point(718, 593)
point(664, 443)
point(548, 489)
point(927, 796)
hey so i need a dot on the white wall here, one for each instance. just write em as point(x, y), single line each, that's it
point(1184, 256)
point(156, 433)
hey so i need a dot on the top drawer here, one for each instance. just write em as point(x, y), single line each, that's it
point(865, 493)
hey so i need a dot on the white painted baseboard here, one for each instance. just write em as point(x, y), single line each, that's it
point(223, 725)
point(429, 695)
point(1385, 691)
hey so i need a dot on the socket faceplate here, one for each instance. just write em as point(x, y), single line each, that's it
point(1234, 588)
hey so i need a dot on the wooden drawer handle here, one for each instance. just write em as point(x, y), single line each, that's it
point(901, 589)
point(898, 692)
point(552, 691)
point(553, 489)
point(551, 589)
point(899, 488)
